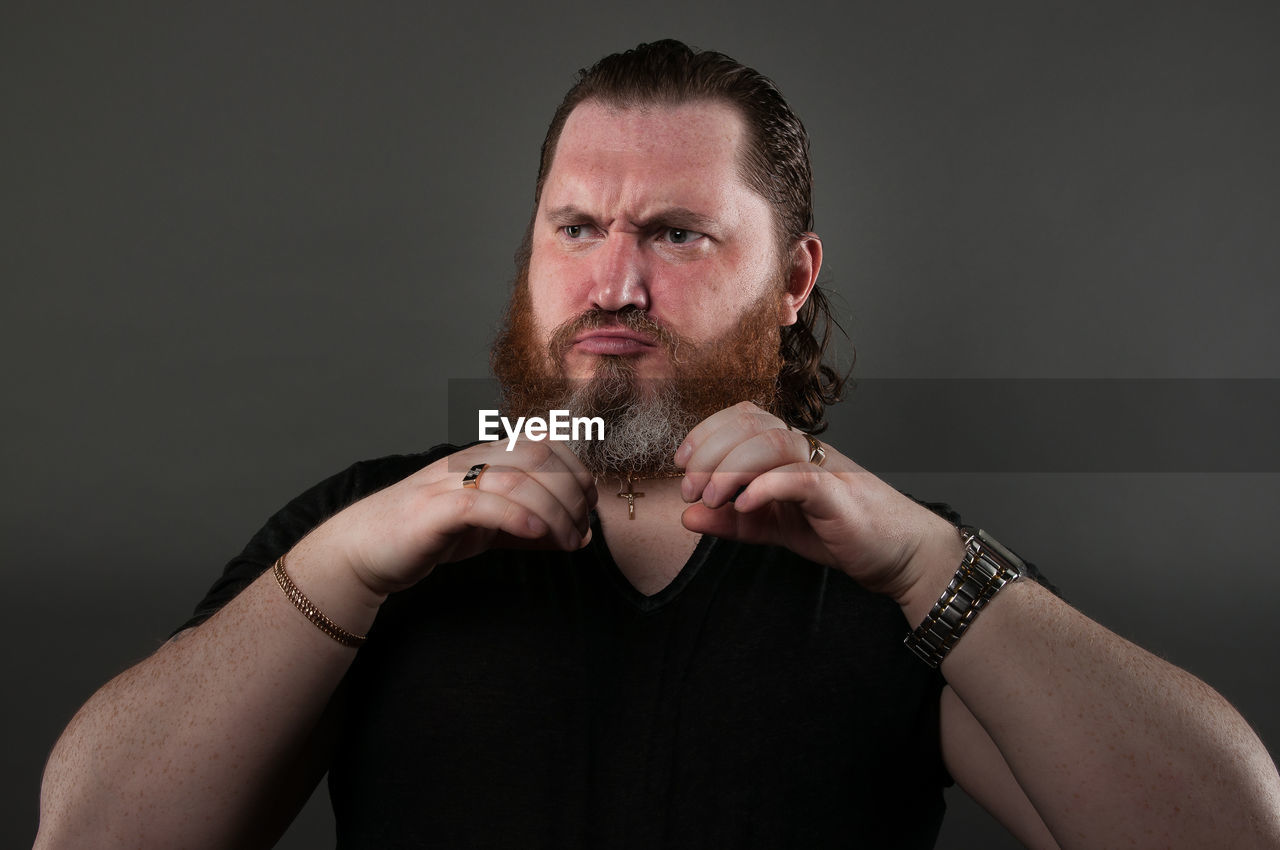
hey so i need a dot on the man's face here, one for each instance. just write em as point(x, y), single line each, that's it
point(654, 293)
point(644, 209)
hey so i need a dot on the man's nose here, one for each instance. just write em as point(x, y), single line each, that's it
point(621, 274)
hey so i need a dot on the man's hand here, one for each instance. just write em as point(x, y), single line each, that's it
point(836, 514)
point(1049, 715)
point(252, 684)
point(537, 495)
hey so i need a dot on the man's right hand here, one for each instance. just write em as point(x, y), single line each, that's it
point(537, 495)
point(253, 682)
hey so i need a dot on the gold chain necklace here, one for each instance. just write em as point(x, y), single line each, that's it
point(631, 494)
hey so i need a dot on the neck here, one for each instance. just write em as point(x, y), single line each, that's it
point(640, 500)
point(651, 549)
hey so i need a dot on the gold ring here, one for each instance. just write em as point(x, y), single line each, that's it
point(472, 479)
point(817, 454)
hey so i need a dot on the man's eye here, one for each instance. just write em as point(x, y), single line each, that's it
point(680, 236)
point(575, 231)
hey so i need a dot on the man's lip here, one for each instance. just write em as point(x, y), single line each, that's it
point(618, 334)
point(611, 341)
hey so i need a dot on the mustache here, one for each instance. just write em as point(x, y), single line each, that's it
point(630, 318)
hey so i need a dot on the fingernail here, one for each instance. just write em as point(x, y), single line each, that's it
point(709, 495)
point(682, 454)
point(686, 490)
point(536, 525)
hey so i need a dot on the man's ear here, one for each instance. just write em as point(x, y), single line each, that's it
point(806, 262)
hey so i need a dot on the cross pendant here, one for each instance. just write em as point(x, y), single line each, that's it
point(631, 497)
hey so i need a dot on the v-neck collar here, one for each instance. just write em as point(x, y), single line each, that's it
point(599, 548)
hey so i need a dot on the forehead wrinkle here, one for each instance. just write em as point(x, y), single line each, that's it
point(634, 164)
point(638, 201)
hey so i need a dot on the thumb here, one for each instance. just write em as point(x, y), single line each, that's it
point(725, 521)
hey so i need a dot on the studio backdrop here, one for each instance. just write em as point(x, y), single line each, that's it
point(244, 245)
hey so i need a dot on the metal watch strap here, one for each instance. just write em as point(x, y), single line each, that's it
point(986, 568)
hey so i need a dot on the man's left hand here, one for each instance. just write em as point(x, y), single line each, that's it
point(836, 514)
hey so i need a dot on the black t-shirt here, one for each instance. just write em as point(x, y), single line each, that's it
point(536, 699)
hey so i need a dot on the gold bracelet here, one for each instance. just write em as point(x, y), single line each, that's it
point(311, 612)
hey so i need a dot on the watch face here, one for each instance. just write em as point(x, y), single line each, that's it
point(994, 546)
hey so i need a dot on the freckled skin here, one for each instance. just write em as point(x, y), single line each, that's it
point(159, 745)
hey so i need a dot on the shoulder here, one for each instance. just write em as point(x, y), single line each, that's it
point(304, 512)
point(362, 478)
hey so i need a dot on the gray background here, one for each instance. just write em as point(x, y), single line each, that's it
point(243, 245)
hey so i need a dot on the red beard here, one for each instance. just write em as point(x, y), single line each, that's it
point(645, 420)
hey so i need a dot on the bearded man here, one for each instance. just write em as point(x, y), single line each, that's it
point(711, 655)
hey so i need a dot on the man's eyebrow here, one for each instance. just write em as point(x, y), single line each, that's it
point(568, 214)
point(678, 217)
point(682, 218)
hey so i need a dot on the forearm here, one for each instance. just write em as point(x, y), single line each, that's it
point(194, 746)
point(1111, 744)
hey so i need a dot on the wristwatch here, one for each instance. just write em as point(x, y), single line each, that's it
point(986, 568)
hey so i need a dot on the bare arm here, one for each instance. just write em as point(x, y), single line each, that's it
point(224, 721)
point(1111, 745)
point(216, 739)
point(975, 763)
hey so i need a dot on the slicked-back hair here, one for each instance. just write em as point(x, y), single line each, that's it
point(774, 163)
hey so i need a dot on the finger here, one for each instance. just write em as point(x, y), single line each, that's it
point(750, 458)
point(471, 508)
point(804, 484)
point(729, 524)
point(528, 454)
point(779, 507)
point(713, 423)
point(507, 541)
point(585, 481)
point(554, 468)
point(518, 487)
point(713, 438)
point(584, 478)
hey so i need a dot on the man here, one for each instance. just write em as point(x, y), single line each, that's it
point(709, 654)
